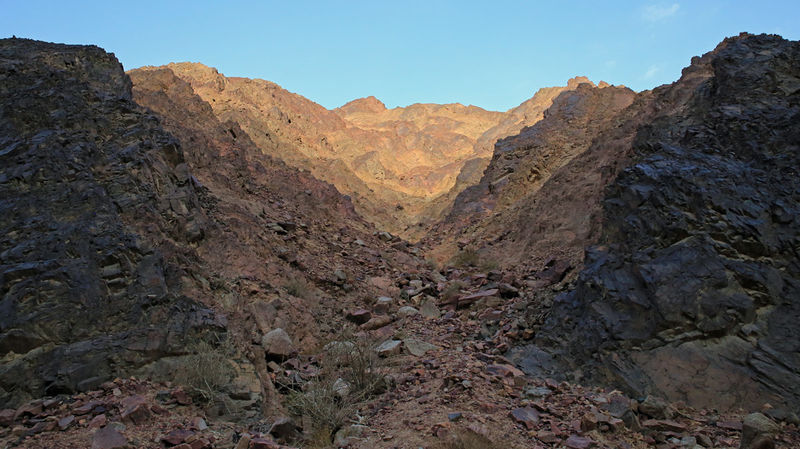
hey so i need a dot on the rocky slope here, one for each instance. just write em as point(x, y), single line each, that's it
point(127, 242)
point(520, 204)
point(145, 233)
point(400, 166)
point(687, 194)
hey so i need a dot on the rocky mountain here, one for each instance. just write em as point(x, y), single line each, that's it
point(191, 261)
point(400, 166)
point(129, 238)
point(687, 200)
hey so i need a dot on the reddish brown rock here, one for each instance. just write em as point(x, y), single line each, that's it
point(135, 409)
point(108, 438)
point(30, 409)
point(181, 397)
point(176, 436)
point(359, 316)
point(7, 417)
point(504, 370)
point(663, 425)
point(98, 421)
point(527, 416)
point(467, 300)
point(377, 322)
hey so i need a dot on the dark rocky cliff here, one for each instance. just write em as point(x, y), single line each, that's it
point(693, 291)
point(94, 204)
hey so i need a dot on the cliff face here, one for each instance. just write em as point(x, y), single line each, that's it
point(690, 196)
point(400, 166)
point(95, 209)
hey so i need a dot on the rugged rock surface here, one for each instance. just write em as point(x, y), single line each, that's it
point(535, 198)
point(695, 286)
point(127, 240)
point(142, 240)
point(402, 166)
point(94, 212)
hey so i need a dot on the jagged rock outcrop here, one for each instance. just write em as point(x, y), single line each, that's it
point(96, 206)
point(693, 290)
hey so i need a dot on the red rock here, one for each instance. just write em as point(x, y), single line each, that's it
point(108, 438)
point(588, 422)
point(527, 416)
point(611, 422)
point(32, 408)
point(176, 436)
point(244, 442)
point(159, 410)
point(504, 370)
point(468, 300)
point(198, 423)
point(7, 417)
point(359, 316)
point(182, 446)
point(98, 421)
point(43, 426)
point(86, 408)
point(377, 322)
point(663, 425)
point(545, 436)
point(579, 442)
point(135, 410)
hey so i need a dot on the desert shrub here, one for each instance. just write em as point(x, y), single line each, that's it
point(349, 375)
point(470, 257)
point(467, 257)
point(206, 371)
point(299, 287)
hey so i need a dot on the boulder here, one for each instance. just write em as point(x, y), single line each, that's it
point(278, 345)
point(758, 432)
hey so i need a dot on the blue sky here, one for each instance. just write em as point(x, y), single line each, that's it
point(494, 54)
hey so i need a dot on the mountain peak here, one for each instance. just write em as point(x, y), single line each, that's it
point(366, 104)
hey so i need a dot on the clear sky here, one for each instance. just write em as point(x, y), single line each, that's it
point(493, 54)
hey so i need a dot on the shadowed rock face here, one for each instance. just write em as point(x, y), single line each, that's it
point(694, 289)
point(93, 202)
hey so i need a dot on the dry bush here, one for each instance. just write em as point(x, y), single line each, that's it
point(349, 375)
point(470, 257)
point(207, 370)
point(467, 257)
point(465, 439)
